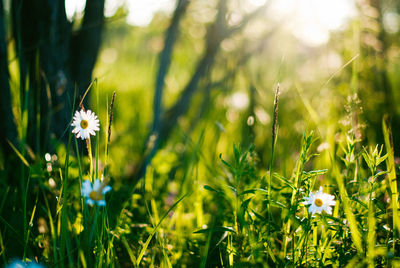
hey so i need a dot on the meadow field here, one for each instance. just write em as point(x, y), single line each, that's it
point(190, 133)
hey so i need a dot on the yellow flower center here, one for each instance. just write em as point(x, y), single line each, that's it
point(84, 124)
point(96, 196)
point(318, 202)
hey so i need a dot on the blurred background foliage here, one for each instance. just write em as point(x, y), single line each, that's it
point(197, 78)
point(350, 79)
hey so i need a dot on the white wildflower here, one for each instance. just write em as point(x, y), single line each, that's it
point(320, 201)
point(85, 123)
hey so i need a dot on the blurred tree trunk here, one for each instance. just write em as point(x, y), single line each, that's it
point(54, 61)
point(171, 36)
point(7, 126)
point(375, 46)
point(167, 120)
point(170, 117)
point(165, 61)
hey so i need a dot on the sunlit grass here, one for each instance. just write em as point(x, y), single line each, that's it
point(227, 189)
point(225, 210)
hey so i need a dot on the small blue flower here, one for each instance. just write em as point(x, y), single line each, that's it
point(95, 193)
point(20, 264)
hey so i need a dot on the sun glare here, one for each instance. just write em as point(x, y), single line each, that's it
point(73, 7)
point(141, 12)
point(309, 20)
point(312, 20)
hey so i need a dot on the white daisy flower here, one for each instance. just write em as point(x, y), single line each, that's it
point(85, 123)
point(320, 201)
point(95, 193)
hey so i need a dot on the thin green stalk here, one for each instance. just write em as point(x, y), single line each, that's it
point(3, 249)
point(274, 136)
point(292, 199)
point(371, 233)
point(25, 216)
point(79, 160)
point(391, 167)
point(303, 158)
point(105, 241)
point(204, 255)
point(97, 158)
point(94, 225)
point(30, 226)
point(63, 221)
point(80, 172)
point(139, 259)
point(309, 224)
point(108, 134)
point(89, 148)
point(355, 233)
point(85, 213)
point(52, 229)
point(65, 242)
point(97, 138)
point(130, 251)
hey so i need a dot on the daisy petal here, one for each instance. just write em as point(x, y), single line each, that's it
point(90, 202)
point(96, 185)
point(86, 188)
point(101, 203)
point(106, 189)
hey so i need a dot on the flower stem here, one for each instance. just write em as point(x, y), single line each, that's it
point(89, 148)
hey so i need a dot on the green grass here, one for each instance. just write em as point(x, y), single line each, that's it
point(227, 189)
point(200, 209)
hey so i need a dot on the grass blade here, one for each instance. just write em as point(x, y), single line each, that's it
point(156, 228)
point(387, 132)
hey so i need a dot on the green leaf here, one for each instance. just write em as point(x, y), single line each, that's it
point(253, 191)
point(359, 202)
point(379, 204)
point(315, 172)
point(18, 154)
point(380, 173)
point(339, 221)
point(262, 218)
point(284, 180)
point(250, 191)
point(292, 211)
point(209, 188)
point(245, 204)
point(277, 204)
point(236, 153)
point(216, 229)
point(226, 163)
point(232, 188)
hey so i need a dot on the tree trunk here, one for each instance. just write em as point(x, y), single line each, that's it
point(57, 62)
point(7, 126)
point(166, 121)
